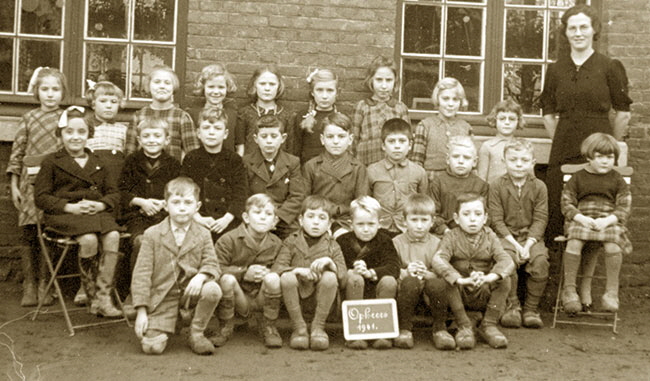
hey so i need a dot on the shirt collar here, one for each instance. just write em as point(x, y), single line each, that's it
point(389, 164)
point(372, 101)
point(174, 227)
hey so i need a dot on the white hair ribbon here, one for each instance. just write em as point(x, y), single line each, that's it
point(63, 120)
point(311, 75)
point(90, 84)
point(32, 80)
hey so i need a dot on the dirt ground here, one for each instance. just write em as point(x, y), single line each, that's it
point(43, 350)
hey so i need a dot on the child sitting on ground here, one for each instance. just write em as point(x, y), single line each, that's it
point(246, 255)
point(311, 265)
point(474, 272)
point(416, 247)
point(273, 171)
point(219, 172)
point(335, 174)
point(176, 270)
point(458, 177)
point(518, 207)
point(371, 259)
point(395, 177)
point(596, 204)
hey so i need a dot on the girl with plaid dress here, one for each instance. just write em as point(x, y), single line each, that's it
point(35, 137)
point(596, 204)
point(371, 113)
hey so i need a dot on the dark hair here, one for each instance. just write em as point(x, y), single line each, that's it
point(601, 143)
point(419, 203)
point(314, 202)
point(519, 144)
point(587, 11)
point(377, 63)
point(338, 119)
point(464, 198)
point(508, 105)
point(212, 115)
point(252, 91)
point(269, 121)
point(396, 126)
point(73, 113)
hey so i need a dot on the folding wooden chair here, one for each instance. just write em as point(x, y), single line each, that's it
point(588, 318)
point(64, 244)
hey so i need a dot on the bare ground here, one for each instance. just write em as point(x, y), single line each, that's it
point(43, 350)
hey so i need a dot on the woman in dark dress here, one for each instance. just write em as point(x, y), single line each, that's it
point(581, 88)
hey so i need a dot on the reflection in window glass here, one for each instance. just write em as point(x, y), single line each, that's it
point(154, 20)
point(422, 28)
point(143, 60)
point(464, 31)
point(554, 35)
point(526, 2)
point(562, 3)
point(469, 75)
point(41, 17)
point(106, 63)
point(7, 17)
point(524, 34)
point(523, 83)
point(107, 18)
point(6, 59)
point(33, 54)
point(419, 77)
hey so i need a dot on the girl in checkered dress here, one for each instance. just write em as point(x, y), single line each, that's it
point(35, 137)
point(371, 113)
point(596, 204)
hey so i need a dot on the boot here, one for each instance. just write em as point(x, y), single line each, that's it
point(299, 336)
point(534, 290)
point(87, 275)
point(102, 304)
point(570, 299)
point(202, 313)
point(271, 310)
point(590, 261)
point(227, 324)
point(488, 329)
point(30, 296)
point(613, 262)
point(80, 298)
point(325, 296)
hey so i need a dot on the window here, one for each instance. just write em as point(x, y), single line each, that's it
point(496, 49)
point(115, 40)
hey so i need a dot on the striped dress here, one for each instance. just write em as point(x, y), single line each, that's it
point(36, 135)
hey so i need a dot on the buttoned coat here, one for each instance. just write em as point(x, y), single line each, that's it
point(296, 252)
point(61, 180)
point(162, 264)
point(379, 253)
point(285, 185)
point(237, 250)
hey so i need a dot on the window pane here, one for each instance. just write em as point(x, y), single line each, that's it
point(523, 83)
point(554, 35)
point(41, 17)
point(469, 75)
point(106, 63)
point(464, 31)
point(144, 59)
point(7, 17)
point(562, 3)
point(524, 34)
point(6, 60)
point(33, 54)
point(107, 18)
point(419, 77)
point(422, 29)
point(526, 2)
point(154, 20)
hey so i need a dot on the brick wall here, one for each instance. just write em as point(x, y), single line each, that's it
point(626, 36)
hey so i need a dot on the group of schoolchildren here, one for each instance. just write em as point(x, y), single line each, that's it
point(238, 212)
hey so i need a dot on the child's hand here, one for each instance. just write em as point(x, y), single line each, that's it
point(94, 207)
point(148, 207)
point(486, 279)
point(321, 264)
point(602, 223)
point(76, 208)
point(222, 223)
point(159, 204)
point(359, 267)
point(416, 269)
point(585, 221)
point(256, 273)
point(193, 288)
point(16, 196)
point(141, 322)
point(303, 272)
point(465, 282)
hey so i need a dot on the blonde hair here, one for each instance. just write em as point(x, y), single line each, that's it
point(212, 115)
point(42, 72)
point(259, 200)
point(365, 203)
point(103, 88)
point(212, 71)
point(318, 75)
point(461, 141)
point(166, 69)
point(519, 144)
point(449, 83)
point(180, 186)
point(419, 203)
point(157, 123)
point(508, 105)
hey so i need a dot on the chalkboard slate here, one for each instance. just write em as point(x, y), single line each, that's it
point(370, 319)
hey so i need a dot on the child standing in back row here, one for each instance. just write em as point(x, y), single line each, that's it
point(506, 116)
point(308, 126)
point(36, 136)
point(162, 84)
point(371, 113)
point(432, 134)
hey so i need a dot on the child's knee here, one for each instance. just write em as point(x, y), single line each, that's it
point(538, 267)
point(436, 286)
point(611, 248)
point(288, 280)
point(328, 280)
point(409, 284)
point(211, 291)
point(574, 246)
point(154, 342)
point(228, 283)
point(387, 287)
point(111, 238)
point(354, 280)
point(271, 282)
point(87, 245)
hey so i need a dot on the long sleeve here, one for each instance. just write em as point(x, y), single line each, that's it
point(504, 266)
point(283, 260)
point(441, 261)
point(290, 208)
point(15, 164)
point(357, 124)
point(189, 138)
point(131, 144)
point(239, 186)
point(44, 190)
point(142, 274)
point(339, 260)
point(497, 211)
point(209, 262)
point(569, 199)
point(540, 213)
point(418, 152)
point(224, 249)
point(623, 205)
